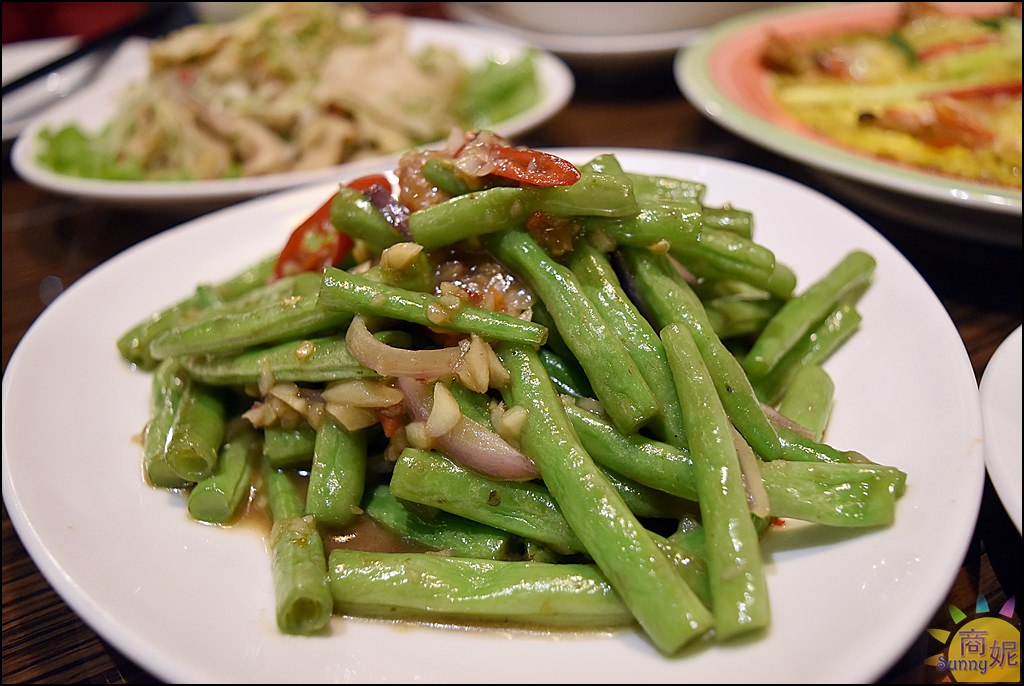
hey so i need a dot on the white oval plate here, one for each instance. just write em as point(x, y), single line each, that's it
point(94, 105)
point(1001, 410)
point(722, 77)
point(194, 603)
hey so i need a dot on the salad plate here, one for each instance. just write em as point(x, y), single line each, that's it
point(1001, 410)
point(195, 603)
point(722, 76)
point(94, 105)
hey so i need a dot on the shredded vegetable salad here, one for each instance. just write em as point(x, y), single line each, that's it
point(936, 91)
point(290, 86)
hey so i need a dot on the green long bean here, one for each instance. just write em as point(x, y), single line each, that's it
point(491, 592)
point(671, 300)
point(166, 390)
point(502, 208)
point(219, 497)
point(663, 604)
point(302, 596)
point(522, 508)
point(311, 360)
point(804, 311)
point(613, 374)
point(808, 400)
point(444, 532)
point(599, 282)
point(739, 590)
point(285, 320)
point(338, 475)
point(343, 291)
point(815, 347)
point(134, 343)
point(196, 432)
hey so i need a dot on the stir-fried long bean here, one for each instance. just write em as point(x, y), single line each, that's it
point(566, 396)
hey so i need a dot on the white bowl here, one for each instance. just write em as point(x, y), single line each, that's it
point(617, 18)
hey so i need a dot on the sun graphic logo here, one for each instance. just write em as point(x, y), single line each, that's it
point(984, 649)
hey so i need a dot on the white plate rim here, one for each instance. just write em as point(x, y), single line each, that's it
point(1001, 412)
point(903, 587)
point(691, 72)
point(99, 101)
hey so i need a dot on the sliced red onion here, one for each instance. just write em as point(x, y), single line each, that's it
point(757, 496)
point(390, 361)
point(395, 212)
point(779, 419)
point(469, 443)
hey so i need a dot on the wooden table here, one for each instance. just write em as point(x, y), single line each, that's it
point(50, 241)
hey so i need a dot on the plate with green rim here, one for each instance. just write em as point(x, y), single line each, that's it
point(722, 77)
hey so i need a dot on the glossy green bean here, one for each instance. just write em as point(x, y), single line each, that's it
point(612, 372)
point(285, 320)
point(815, 347)
point(599, 282)
point(218, 498)
point(464, 590)
point(134, 343)
point(361, 219)
point(808, 399)
point(669, 299)
point(843, 495)
point(343, 291)
point(166, 390)
point(663, 604)
point(501, 208)
point(805, 311)
point(195, 435)
point(289, 448)
point(312, 360)
point(450, 534)
point(338, 475)
point(739, 590)
point(522, 508)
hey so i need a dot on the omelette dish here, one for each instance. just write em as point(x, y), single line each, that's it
point(936, 91)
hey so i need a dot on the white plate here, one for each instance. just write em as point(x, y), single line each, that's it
point(193, 603)
point(722, 76)
point(95, 105)
point(1001, 409)
point(626, 51)
point(23, 57)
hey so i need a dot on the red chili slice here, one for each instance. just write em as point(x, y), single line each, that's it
point(533, 167)
point(313, 245)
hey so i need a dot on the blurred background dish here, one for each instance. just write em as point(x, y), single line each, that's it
point(92, 107)
point(722, 75)
point(620, 36)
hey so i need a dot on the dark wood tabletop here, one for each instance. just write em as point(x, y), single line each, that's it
point(50, 241)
